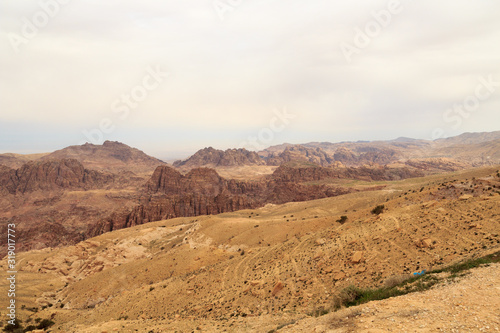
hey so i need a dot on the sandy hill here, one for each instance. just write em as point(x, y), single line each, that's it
point(259, 269)
point(110, 156)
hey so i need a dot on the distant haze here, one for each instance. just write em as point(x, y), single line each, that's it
point(170, 77)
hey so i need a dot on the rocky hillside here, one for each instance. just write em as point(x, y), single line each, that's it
point(210, 157)
point(460, 152)
point(110, 156)
point(50, 175)
point(203, 192)
point(300, 174)
point(299, 153)
point(53, 202)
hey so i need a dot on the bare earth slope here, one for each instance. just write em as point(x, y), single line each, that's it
point(468, 305)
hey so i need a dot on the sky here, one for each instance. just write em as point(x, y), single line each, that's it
point(171, 77)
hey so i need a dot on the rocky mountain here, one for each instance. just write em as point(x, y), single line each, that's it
point(469, 139)
point(301, 174)
point(299, 153)
point(111, 156)
point(50, 175)
point(463, 151)
point(210, 157)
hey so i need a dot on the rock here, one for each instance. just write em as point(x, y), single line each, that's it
point(424, 243)
point(320, 241)
point(318, 255)
point(277, 288)
point(52, 175)
point(339, 276)
point(357, 257)
point(330, 269)
point(466, 197)
point(214, 158)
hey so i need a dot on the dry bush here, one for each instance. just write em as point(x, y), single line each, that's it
point(395, 280)
point(344, 317)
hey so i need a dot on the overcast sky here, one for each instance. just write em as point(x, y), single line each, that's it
point(73, 71)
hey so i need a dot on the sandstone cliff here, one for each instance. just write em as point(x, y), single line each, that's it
point(211, 157)
point(51, 175)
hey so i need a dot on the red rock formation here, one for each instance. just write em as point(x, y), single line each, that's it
point(286, 173)
point(110, 156)
point(300, 153)
point(8, 180)
point(203, 192)
point(218, 158)
point(52, 175)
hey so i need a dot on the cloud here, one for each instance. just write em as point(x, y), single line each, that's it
point(227, 76)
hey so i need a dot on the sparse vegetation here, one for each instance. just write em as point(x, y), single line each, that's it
point(378, 209)
point(401, 285)
point(342, 219)
point(395, 280)
point(17, 327)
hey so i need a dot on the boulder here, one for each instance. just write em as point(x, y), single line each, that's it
point(357, 257)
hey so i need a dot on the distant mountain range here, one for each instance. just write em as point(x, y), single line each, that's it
point(459, 152)
point(466, 150)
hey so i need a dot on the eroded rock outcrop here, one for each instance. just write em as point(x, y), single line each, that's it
point(51, 175)
point(219, 158)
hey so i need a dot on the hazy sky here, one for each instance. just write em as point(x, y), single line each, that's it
point(278, 71)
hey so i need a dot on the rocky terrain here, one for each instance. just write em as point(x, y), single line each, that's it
point(15, 161)
point(262, 268)
point(299, 153)
point(203, 192)
point(253, 242)
point(456, 153)
point(47, 175)
point(210, 157)
point(53, 202)
point(60, 201)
